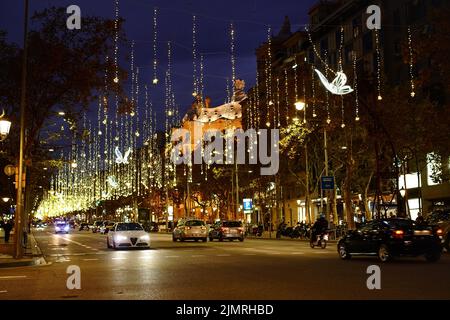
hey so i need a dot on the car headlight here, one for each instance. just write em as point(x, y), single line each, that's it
point(57, 228)
point(145, 238)
point(66, 228)
point(121, 238)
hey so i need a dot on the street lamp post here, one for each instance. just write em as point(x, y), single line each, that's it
point(19, 214)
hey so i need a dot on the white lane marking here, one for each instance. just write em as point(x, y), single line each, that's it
point(197, 256)
point(3, 291)
point(90, 259)
point(297, 253)
point(12, 277)
point(249, 254)
point(76, 242)
point(59, 248)
point(119, 258)
point(224, 255)
point(172, 256)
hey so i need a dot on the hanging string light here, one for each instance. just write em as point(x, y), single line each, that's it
point(257, 103)
point(316, 52)
point(313, 87)
point(228, 91)
point(202, 87)
point(233, 58)
point(355, 85)
point(194, 55)
point(155, 39)
point(116, 42)
point(269, 79)
point(286, 94)
point(304, 100)
point(378, 51)
point(278, 103)
point(327, 94)
point(411, 63)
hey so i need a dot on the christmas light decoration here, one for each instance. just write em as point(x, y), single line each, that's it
point(155, 39)
point(411, 63)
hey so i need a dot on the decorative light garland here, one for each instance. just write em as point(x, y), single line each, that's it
point(411, 62)
point(155, 53)
point(378, 51)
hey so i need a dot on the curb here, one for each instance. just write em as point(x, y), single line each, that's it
point(37, 260)
point(39, 257)
point(292, 240)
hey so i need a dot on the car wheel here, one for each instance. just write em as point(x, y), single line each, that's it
point(181, 238)
point(433, 256)
point(241, 239)
point(384, 254)
point(107, 243)
point(211, 238)
point(173, 238)
point(114, 245)
point(220, 238)
point(343, 253)
point(205, 239)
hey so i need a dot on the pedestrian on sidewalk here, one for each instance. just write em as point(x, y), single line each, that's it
point(7, 227)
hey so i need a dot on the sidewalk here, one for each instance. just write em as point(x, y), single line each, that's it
point(32, 254)
point(272, 236)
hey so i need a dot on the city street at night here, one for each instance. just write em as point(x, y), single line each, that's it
point(254, 269)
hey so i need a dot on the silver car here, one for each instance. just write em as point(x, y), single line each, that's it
point(229, 230)
point(190, 230)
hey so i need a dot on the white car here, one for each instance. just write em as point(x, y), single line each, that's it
point(127, 235)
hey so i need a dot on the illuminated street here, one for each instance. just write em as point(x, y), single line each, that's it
point(254, 269)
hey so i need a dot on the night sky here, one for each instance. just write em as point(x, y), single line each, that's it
point(251, 19)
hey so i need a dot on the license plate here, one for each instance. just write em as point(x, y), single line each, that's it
point(422, 232)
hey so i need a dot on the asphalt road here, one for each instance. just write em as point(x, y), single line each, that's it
point(252, 270)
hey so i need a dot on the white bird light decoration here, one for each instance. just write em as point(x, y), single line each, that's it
point(122, 159)
point(112, 182)
point(338, 86)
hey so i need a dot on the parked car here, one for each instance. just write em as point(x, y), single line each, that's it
point(229, 230)
point(190, 230)
point(62, 227)
point(106, 227)
point(440, 219)
point(127, 235)
point(389, 238)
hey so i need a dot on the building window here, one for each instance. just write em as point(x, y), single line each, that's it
point(357, 23)
point(414, 208)
point(349, 53)
point(368, 43)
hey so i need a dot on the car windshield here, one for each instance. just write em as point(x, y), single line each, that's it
point(61, 224)
point(232, 224)
point(129, 227)
point(98, 223)
point(194, 223)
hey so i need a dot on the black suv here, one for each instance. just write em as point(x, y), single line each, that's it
point(440, 219)
point(388, 238)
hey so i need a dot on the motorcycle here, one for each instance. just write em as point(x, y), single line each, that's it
point(284, 231)
point(321, 241)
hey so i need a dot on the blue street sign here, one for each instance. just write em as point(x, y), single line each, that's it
point(327, 183)
point(248, 205)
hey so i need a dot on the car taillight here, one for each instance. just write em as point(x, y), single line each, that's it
point(439, 232)
point(203, 228)
point(398, 234)
point(224, 229)
point(241, 229)
point(188, 228)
